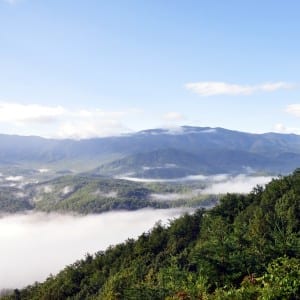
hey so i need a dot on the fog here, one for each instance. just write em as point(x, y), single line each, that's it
point(169, 196)
point(14, 178)
point(237, 184)
point(216, 184)
point(67, 189)
point(37, 244)
point(44, 170)
point(176, 196)
point(199, 177)
point(226, 179)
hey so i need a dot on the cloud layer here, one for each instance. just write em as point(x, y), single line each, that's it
point(293, 109)
point(213, 88)
point(216, 184)
point(35, 245)
point(63, 122)
point(32, 113)
point(237, 184)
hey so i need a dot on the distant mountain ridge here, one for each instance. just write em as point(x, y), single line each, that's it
point(158, 152)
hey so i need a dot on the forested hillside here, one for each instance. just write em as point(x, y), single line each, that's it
point(248, 247)
point(85, 194)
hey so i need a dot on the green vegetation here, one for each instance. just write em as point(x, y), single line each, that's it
point(85, 194)
point(92, 194)
point(11, 201)
point(248, 247)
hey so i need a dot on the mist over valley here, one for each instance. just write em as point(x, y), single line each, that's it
point(33, 245)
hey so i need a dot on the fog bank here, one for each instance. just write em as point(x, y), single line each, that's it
point(37, 244)
point(237, 184)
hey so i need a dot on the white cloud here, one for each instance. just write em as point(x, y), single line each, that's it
point(281, 128)
point(98, 113)
point(212, 88)
point(63, 122)
point(29, 113)
point(173, 116)
point(14, 178)
point(84, 124)
point(44, 170)
point(274, 86)
point(83, 129)
point(293, 109)
point(238, 184)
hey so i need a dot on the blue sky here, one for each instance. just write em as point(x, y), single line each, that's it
point(93, 68)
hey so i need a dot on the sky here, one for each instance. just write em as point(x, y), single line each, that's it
point(81, 69)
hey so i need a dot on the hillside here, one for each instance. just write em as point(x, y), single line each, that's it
point(248, 247)
point(85, 194)
point(174, 163)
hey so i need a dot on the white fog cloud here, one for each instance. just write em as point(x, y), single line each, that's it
point(90, 128)
point(169, 196)
point(44, 170)
point(49, 242)
point(217, 184)
point(173, 117)
point(237, 184)
point(212, 88)
point(281, 128)
point(29, 113)
point(61, 122)
point(67, 189)
point(293, 109)
point(47, 189)
point(150, 180)
point(176, 196)
point(14, 178)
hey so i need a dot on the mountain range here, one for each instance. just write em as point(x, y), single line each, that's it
point(158, 153)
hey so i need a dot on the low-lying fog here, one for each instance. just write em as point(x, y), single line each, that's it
point(37, 244)
point(215, 184)
point(236, 184)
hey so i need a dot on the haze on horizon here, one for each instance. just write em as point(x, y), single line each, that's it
point(78, 70)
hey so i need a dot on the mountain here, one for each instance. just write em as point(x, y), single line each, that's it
point(247, 247)
point(174, 163)
point(160, 153)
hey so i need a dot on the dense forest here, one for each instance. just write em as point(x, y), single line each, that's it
point(247, 247)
